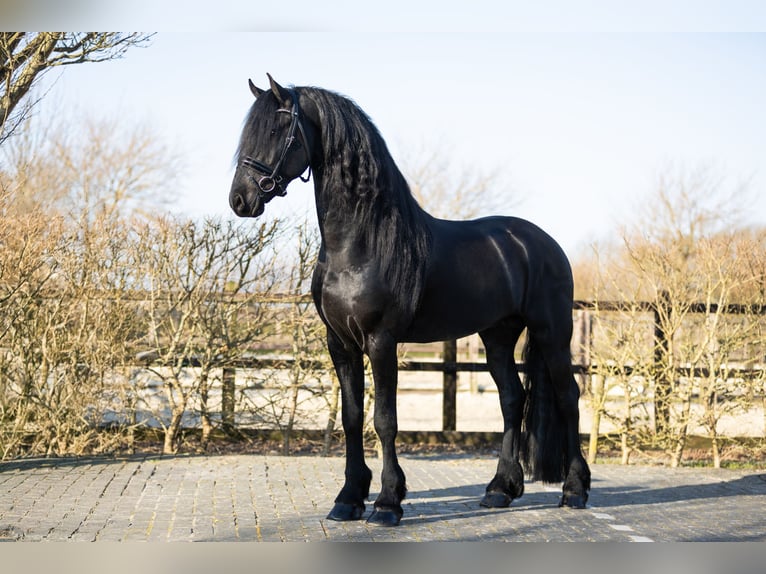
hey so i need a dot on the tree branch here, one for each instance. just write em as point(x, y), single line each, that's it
point(25, 57)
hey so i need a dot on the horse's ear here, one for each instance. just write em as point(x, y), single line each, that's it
point(283, 96)
point(253, 88)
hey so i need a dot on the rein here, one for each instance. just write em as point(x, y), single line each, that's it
point(270, 184)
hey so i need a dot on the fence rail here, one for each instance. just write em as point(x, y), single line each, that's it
point(449, 366)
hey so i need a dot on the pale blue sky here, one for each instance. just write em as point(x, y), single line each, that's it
point(580, 122)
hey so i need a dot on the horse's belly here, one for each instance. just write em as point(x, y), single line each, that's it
point(471, 293)
point(440, 319)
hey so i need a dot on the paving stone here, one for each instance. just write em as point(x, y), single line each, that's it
point(271, 498)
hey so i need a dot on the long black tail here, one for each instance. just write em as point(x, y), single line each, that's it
point(544, 446)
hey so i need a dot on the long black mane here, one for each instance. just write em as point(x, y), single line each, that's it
point(359, 176)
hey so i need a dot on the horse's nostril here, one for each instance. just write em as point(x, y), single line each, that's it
point(238, 204)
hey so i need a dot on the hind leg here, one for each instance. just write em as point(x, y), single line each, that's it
point(558, 362)
point(508, 482)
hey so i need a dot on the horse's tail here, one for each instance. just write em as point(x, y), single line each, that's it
point(544, 446)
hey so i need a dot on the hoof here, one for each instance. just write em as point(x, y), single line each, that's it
point(496, 500)
point(573, 501)
point(385, 517)
point(343, 512)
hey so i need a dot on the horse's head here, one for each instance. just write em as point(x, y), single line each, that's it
point(274, 149)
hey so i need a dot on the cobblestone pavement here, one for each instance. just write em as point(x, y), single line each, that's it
point(273, 498)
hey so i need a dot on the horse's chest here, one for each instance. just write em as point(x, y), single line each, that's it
point(355, 291)
point(352, 301)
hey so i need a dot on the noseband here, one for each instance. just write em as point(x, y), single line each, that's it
point(270, 182)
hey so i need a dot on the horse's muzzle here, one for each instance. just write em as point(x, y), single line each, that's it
point(241, 207)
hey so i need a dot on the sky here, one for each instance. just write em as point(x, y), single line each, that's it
point(579, 121)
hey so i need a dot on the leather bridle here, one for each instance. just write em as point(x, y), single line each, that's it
point(271, 183)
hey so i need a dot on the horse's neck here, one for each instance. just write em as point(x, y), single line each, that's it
point(337, 224)
point(362, 221)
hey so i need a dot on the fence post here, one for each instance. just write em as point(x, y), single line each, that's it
point(228, 399)
point(449, 404)
point(662, 365)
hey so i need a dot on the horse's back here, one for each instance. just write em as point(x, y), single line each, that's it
point(512, 246)
point(484, 271)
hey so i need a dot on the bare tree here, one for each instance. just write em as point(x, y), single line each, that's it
point(232, 318)
point(87, 168)
point(311, 364)
point(202, 286)
point(67, 319)
point(66, 327)
point(26, 56)
point(455, 191)
point(28, 262)
point(678, 252)
point(719, 341)
point(621, 361)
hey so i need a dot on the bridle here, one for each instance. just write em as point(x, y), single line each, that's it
point(270, 184)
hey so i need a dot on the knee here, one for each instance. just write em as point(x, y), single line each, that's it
point(513, 404)
point(353, 419)
point(385, 426)
point(568, 394)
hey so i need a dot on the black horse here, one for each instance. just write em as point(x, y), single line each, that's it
point(388, 272)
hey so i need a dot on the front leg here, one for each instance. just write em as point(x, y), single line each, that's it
point(381, 349)
point(349, 366)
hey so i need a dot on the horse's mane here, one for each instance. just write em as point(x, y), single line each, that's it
point(361, 177)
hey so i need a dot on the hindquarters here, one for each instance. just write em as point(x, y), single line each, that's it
point(494, 276)
point(541, 418)
point(550, 448)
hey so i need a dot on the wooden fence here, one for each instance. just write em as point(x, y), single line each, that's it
point(449, 366)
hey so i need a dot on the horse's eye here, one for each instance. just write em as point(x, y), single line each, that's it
point(273, 132)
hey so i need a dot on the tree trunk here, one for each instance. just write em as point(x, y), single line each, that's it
point(711, 420)
point(333, 417)
point(292, 410)
point(170, 444)
point(663, 366)
point(228, 399)
point(624, 448)
point(681, 436)
point(597, 402)
point(207, 425)
point(626, 429)
point(716, 448)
